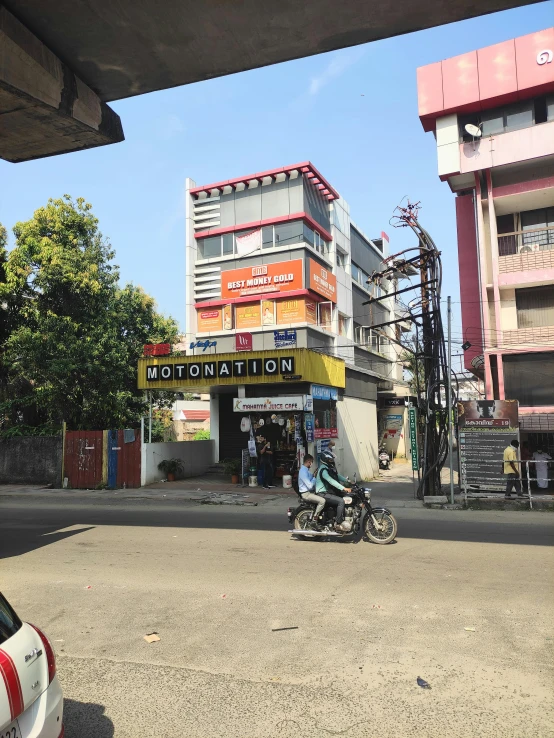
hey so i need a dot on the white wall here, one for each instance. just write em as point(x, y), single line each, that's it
point(358, 439)
point(196, 456)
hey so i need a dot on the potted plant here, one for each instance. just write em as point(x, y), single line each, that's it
point(234, 468)
point(171, 467)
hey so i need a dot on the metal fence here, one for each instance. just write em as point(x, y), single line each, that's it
point(529, 476)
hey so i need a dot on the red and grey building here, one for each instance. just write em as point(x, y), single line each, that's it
point(274, 259)
point(492, 114)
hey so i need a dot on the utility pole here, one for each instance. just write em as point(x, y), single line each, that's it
point(449, 404)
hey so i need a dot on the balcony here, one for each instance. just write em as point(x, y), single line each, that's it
point(521, 251)
point(531, 338)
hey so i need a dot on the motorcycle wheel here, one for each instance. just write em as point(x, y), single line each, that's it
point(303, 520)
point(388, 526)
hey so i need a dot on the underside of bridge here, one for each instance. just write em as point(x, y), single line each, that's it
point(62, 61)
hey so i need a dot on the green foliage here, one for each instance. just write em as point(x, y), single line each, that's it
point(74, 335)
point(171, 466)
point(201, 435)
point(232, 466)
point(162, 425)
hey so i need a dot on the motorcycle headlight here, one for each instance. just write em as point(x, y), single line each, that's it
point(367, 492)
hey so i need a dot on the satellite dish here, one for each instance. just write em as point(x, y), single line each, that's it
point(474, 131)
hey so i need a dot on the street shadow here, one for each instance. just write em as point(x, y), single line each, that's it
point(86, 720)
point(20, 540)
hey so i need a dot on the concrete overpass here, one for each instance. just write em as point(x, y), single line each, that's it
point(62, 61)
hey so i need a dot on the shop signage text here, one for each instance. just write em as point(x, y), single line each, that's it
point(323, 281)
point(157, 349)
point(243, 342)
point(284, 338)
point(324, 393)
point(283, 276)
point(271, 404)
point(201, 370)
point(203, 344)
point(412, 415)
point(544, 57)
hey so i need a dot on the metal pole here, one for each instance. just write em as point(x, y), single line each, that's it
point(449, 403)
point(150, 419)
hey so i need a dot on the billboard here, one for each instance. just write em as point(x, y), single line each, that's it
point(485, 428)
point(322, 281)
point(209, 320)
point(284, 276)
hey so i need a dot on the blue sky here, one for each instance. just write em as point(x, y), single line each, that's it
point(371, 148)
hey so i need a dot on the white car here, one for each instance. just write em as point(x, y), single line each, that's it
point(31, 700)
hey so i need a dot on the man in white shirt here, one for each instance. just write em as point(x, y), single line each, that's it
point(306, 483)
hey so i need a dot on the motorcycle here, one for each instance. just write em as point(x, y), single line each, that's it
point(378, 522)
point(384, 460)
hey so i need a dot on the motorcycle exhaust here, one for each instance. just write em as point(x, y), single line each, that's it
point(313, 533)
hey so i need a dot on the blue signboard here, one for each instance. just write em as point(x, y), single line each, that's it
point(284, 338)
point(324, 393)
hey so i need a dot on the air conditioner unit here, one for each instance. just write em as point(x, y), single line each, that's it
point(529, 248)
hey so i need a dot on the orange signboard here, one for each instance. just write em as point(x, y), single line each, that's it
point(311, 312)
point(284, 276)
point(248, 315)
point(323, 281)
point(290, 311)
point(209, 320)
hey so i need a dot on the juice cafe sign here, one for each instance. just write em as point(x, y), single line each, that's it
point(284, 276)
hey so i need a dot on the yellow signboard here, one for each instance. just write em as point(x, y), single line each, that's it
point(252, 367)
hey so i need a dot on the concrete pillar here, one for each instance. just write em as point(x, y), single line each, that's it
point(45, 109)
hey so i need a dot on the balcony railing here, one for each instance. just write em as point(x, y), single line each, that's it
point(526, 242)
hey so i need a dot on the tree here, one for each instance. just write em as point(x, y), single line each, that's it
point(201, 435)
point(73, 353)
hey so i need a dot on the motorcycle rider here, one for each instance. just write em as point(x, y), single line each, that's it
point(306, 484)
point(329, 479)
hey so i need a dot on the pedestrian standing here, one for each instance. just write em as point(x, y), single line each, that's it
point(266, 462)
point(511, 470)
point(542, 459)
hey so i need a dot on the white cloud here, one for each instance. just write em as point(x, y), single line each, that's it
point(340, 62)
point(172, 125)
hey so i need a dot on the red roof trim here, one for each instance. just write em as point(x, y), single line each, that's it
point(255, 298)
point(196, 414)
point(304, 167)
point(269, 221)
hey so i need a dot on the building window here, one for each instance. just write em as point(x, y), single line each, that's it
point(267, 237)
point(343, 325)
point(535, 307)
point(513, 117)
point(536, 234)
point(341, 259)
point(359, 276)
point(325, 315)
point(282, 234)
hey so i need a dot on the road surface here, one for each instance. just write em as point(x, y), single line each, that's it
point(462, 599)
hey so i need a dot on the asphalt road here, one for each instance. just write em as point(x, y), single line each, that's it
point(215, 582)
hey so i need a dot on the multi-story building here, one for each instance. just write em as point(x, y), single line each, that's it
point(274, 260)
point(492, 114)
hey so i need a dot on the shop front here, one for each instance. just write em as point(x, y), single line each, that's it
point(258, 395)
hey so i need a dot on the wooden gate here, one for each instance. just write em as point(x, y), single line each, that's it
point(109, 458)
point(123, 458)
point(83, 459)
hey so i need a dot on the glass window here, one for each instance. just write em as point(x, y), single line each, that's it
point(325, 310)
point(519, 116)
point(341, 259)
point(343, 325)
point(309, 235)
point(9, 622)
point(492, 122)
point(535, 307)
point(228, 243)
point(533, 219)
point(289, 233)
point(210, 247)
point(355, 271)
point(267, 237)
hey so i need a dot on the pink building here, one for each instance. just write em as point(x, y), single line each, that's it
point(492, 114)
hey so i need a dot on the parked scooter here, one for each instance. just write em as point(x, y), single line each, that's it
point(384, 459)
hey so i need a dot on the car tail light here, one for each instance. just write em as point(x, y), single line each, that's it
point(61, 735)
point(49, 653)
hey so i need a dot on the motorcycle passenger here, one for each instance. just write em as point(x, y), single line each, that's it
point(329, 479)
point(306, 484)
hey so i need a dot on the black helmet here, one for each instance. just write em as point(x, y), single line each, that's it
point(328, 459)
